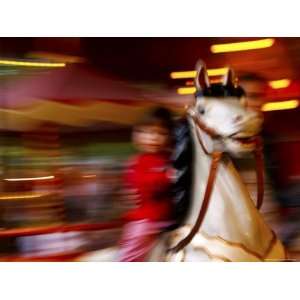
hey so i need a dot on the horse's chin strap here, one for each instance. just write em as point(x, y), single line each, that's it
point(216, 157)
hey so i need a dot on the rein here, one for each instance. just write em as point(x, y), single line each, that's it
point(216, 158)
point(259, 159)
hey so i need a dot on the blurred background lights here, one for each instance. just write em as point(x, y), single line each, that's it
point(186, 90)
point(279, 84)
point(30, 178)
point(183, 74)
point(242, 46)
point(217, 72)
point(192, 74)
point(280, 105)
point(19, 63)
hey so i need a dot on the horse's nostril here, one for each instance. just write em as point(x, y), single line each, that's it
point(237, 119)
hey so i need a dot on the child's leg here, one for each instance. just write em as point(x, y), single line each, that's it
point(137, 240)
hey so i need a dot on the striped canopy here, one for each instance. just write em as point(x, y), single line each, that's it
point(77, 96)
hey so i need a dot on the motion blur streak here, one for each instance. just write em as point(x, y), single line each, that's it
point(186, 90)
point(279, 84)
point(67, 108)
point(29, 178)
point(242, 46)
point(217, 72)
point(31, 64)
point(281, 105)
point(183, 74)
point(192, 74)
point(15, 197)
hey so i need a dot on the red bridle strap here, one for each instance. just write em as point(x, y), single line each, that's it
point(259, 159)
point(216, 157)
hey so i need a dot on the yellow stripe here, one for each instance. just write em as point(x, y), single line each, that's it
point(192, 74)
point(242, 46)
point(31, 64)
point(279, 84)
point(280, 105)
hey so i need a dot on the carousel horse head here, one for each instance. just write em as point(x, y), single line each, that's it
point(221, 112)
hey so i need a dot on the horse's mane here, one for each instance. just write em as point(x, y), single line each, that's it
point(183, 157)
point(219, 90)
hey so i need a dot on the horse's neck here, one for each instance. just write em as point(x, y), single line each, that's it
point(231, 213)
point(202, 164)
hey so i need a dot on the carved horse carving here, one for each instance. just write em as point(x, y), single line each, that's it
point(221, 222)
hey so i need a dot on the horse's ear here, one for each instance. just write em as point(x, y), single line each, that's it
point(201, 79)
point(229, 78)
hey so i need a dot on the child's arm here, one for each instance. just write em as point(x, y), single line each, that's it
point(159, 183)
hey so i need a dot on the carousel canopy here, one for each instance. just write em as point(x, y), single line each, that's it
point(76, 95)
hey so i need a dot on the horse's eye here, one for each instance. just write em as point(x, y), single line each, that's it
point(201, 110)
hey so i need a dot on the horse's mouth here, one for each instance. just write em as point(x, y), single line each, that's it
point(245, 140)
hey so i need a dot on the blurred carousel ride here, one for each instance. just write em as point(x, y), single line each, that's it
point(42, 221)
point(54, 219)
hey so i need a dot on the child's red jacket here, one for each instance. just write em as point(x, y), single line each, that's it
point(149, 175)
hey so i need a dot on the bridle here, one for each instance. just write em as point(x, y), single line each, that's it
point(216, 157)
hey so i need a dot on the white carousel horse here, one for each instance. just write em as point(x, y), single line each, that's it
point(225, 224)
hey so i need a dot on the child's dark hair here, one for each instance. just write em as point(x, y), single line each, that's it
point(158, 116)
